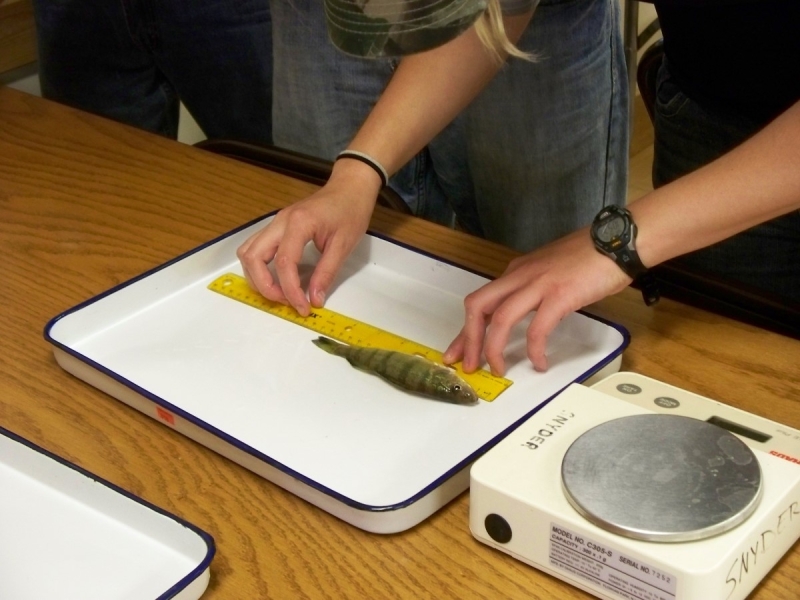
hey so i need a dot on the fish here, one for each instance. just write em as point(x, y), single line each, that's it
point(409, 372)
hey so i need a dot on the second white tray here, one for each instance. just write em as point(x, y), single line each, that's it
point(67, 534)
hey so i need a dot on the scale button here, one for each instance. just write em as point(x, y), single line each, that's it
point(629, 388)
point(662, 478)
point(666, 402)
point(497, 528)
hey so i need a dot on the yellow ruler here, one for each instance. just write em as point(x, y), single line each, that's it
point(350, 331)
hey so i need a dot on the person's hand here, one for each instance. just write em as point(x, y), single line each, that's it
point(554, 280)
point(334, 218)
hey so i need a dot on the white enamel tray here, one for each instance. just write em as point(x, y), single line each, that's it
point(254, 388)
point(66, 534)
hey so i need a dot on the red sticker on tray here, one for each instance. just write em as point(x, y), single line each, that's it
point(165, 415)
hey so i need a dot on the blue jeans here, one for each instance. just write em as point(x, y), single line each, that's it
point(689, 135)
point(134, 60)
point(548, 141)
point(534, 157)
point(322, 96)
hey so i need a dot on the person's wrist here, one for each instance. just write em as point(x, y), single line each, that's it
point(368, 160)
point(663, 233)
point(355, 184)
point(352, 173)
point(615, 234)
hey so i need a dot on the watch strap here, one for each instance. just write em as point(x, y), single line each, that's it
point(626, 257)
point(630, 262)
point(648, 284)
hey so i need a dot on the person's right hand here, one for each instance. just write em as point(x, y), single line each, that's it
point(334, 218)
point(552, 281)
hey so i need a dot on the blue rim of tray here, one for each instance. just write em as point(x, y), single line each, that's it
point(185, 581)
point(161, 402)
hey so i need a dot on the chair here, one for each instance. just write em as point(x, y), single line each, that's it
point(300, 166)
point(715, 294)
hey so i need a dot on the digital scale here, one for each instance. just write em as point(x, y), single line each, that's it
point(635, 489)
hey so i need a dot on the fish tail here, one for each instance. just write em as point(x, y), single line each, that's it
point(357, 356)
point(330, 346)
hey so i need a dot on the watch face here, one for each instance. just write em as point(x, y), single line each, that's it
point(610, 229)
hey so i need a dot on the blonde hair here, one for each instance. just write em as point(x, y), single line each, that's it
point(492, 33)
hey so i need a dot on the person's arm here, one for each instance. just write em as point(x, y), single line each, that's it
point(753, 183)
point(426, 92)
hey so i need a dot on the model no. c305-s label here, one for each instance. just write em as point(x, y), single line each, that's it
point(608, 568)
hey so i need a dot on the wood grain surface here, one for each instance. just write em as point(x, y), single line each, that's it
point(86, 204)
point(17, 34)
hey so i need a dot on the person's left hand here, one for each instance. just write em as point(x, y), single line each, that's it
point(554, 281)
point(334, 218)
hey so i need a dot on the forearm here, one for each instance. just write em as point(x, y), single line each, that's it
point(757, 181)
point(426, 92)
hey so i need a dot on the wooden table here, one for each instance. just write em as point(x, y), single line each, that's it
point(17, 34)
point(86, 204)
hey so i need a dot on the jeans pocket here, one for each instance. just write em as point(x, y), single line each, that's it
point(669, 97)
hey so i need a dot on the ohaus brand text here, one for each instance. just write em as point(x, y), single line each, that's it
point(548, 430)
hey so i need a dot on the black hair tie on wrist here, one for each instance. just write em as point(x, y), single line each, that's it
point(367, 160)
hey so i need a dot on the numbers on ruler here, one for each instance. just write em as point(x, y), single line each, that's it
point(351, 331)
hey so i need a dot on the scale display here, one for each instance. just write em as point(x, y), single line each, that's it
point(638, 490)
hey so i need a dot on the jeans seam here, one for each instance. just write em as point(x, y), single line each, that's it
point(141, 19)
point(420, 164)
point(610, 126)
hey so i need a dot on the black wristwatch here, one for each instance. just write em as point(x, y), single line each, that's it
point(614, 234)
